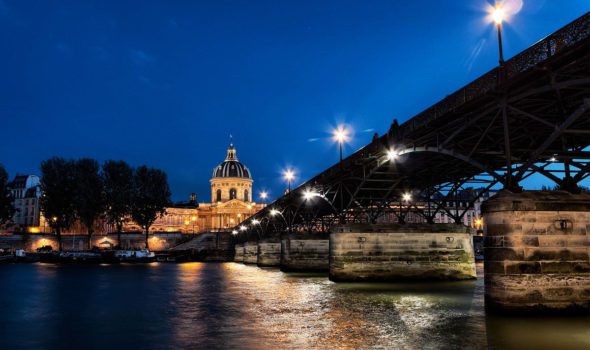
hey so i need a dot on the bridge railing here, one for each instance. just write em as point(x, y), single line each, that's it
point(565, 37)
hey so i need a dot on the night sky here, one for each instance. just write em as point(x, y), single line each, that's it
point(164, 83)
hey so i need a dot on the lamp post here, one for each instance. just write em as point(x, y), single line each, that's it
point(498, 16)
point(263, 196)
point(289, 175)
point(340, 135)
point(406, 197)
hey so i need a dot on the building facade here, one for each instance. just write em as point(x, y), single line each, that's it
point(26, 193)
point(231, 202)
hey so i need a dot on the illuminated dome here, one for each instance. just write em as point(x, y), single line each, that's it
point(231, 167)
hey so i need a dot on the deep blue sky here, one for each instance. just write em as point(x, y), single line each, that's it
point(164, 83)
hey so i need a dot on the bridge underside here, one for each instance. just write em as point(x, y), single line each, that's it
point(530, 116)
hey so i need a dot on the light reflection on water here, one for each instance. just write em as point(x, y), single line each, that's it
point(219, 306)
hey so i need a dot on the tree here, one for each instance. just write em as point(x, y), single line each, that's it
point(151, 196)
point(89, 194)
point(58, 183)
point(118, 186)
point(6, 206)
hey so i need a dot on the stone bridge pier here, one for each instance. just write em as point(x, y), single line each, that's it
point(269, 252)
point(305, 252)
point(250, 252)
point(239, 254)
point(394, 252)
point(536, 251)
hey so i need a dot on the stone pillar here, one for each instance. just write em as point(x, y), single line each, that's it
point(305, 252)
point(239, 254)
point(250, 253)
point(269, 252)
point(363, 252)
point(536, 251)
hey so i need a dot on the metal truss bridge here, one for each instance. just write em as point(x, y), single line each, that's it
point(530, 115)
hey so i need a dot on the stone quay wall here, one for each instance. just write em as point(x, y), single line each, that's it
point(30, 242)
point(269, 253)
point(250, 252)
point(401, 252)
point(537, 251)
point(301, 252)
point(239, 254)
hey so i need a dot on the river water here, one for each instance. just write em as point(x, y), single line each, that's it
point(229, 305)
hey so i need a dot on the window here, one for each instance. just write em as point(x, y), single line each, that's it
point(232, 194)
point(246, 195)
point(219, 195)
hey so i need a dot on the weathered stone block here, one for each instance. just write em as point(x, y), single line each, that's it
point(305, 252)
point(543, 264)
point(269, 253)
point(380, 253)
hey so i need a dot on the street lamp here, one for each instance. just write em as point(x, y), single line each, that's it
point(498, 15)
point(243, 228)
point(255, 222)
point(274, 212)
point(309, 194)
point(340, 136)
point(406, 197)
point(263, 196)
point(391, 154)
point(289, 175)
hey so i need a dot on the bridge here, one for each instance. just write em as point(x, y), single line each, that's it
point(530, 115)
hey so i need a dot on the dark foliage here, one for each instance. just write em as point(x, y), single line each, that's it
point(6, 207)
point(89, 194)
point(58, 183)
point(151, 196)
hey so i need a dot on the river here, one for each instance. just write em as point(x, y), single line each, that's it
point(229, 305)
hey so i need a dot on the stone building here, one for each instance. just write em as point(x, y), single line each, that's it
point(231, 202)
point(26, 192)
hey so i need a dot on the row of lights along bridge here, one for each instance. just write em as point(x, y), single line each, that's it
point(341, 134)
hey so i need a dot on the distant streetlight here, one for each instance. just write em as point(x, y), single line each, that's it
point(255, 222)
point(274, 212)
point(391, 154)
point(340, 136)
point(498, 15)
point(234, 232)
point(407, 197)
point(243, 228)
point(263, 196)
point(289, 175)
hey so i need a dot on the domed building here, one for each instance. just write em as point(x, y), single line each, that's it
point(231, 202)
point(231, 180)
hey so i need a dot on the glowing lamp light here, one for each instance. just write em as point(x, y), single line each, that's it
point(234, 232)
point(243, 228)
point(340, 134)
point(193, 218)
point(308, 194)
point(391, 154)
point(255, 222)
point(289, 175)
point(274, 212)
point(407, 197)
point(263, 194)
point(498, 14)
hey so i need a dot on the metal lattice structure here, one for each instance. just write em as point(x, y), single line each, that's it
point(529, 116)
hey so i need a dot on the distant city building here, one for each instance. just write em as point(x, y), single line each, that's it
point(26, 192)
point(231, 202)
